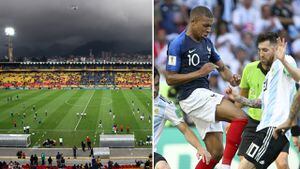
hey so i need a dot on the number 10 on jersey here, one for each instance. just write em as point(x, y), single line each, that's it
point(193, 59)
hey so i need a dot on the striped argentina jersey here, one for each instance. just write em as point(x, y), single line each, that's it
point(277, 95)
point(163, 110)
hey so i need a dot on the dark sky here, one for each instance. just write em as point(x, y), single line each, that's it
point(42, 23)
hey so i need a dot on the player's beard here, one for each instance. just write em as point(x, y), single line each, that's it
point(267, 62)
point(270, 61)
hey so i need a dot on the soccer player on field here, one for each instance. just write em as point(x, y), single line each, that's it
point(191, 57)
point(275, 101)
point(166, 110)
point(291, 122)
point(251, 86)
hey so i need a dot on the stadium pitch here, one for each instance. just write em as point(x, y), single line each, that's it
point(75, 114)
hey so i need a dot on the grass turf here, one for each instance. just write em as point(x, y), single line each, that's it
point(62, 120)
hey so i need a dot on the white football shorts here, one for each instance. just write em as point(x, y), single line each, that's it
point(200, 106)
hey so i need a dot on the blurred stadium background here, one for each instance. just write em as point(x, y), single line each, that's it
point(236, 26)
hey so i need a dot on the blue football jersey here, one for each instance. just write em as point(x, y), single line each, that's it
point(185, 56)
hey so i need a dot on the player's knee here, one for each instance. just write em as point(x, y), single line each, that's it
point(241, 158)
point(162, 165)
point(243, 116)
point(245, 164)
point(282, 163)
point(240, 115)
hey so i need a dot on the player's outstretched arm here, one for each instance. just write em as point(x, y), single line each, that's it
point(245, 93)
point(280, 54)
point(226, 74)
point(256, 103)
point(174, 78)
point(295, 72)
point(192, 139)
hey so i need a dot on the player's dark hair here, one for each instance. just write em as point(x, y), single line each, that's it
point(200, 11)
point(156, 73)
point(269, 36)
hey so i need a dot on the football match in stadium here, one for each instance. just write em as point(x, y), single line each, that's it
point(75, 84)
point(226, 79)
point(54, 105)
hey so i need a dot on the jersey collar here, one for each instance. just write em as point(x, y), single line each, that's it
point(262, 69)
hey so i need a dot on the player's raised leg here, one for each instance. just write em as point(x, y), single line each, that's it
point(227, 111)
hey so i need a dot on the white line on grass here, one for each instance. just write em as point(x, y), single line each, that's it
point(83, 111)
point(102, 104)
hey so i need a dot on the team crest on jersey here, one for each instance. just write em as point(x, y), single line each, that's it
point(208, 49)
point(172, 60)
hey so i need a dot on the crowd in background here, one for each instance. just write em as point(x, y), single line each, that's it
point(59, 161)
point(133, 78)
point(75, 79)
point(11, 164)
point(73, 65)
point(94, 164)
point(18, 79)
point(237, 24)
point(105, 57)
point(125, 58)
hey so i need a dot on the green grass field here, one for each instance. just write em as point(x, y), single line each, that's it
point(62, 107)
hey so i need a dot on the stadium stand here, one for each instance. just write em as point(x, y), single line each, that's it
point(104, 56)
point(75, 75)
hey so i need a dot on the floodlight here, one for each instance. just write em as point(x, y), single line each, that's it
point(9, 31)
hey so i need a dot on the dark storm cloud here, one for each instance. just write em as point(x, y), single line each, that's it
point(41, 23)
